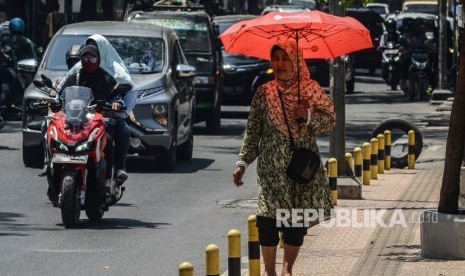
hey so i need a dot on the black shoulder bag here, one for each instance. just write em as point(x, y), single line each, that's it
point(304, 162)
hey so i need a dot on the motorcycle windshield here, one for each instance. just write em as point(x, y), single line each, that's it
point(77, 99)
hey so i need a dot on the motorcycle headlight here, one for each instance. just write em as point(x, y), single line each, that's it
point(85, 147)
point(59, 146)
point(160, 114)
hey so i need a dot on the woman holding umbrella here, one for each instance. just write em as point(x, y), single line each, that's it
point(281, 111)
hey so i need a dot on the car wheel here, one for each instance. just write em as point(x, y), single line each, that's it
point(33, 156)
point(186, 150)
point(168, 159)
point(214, 121)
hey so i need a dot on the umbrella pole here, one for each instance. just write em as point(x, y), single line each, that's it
point(298, 68)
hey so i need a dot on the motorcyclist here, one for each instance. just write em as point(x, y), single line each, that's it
point(390, 35)
point(414, 37)
point(72, 57)
point(101, 69)
point(18, 48)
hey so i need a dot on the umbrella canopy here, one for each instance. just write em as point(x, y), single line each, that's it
point(318, 34)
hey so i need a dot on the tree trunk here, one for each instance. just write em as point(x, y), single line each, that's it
point(448, 201)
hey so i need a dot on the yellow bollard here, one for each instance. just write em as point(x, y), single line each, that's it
point(387, 149)
point(374, 158)
point(358, 163)
point(366, 163)
point(281, 243)
point(411, 149)
point(234, 252)
point(186, 269)
point(213, 260)
point(380, 138)
point(332, 172)
point(254, 246)
point(349, 160)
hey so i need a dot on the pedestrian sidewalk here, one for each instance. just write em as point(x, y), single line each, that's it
point(373, 249)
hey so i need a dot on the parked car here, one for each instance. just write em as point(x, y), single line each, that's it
point(161, 122)
point(198, 38)
point(242, 74)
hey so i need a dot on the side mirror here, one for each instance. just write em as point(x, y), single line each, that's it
point(122, 88)
point(47, 81)
point(185, 71)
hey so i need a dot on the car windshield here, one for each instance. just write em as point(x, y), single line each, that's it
point(378, 9)
point(141, 55)
point(192, 33)
point(422, 8)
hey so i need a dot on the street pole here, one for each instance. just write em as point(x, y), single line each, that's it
point(337, 89)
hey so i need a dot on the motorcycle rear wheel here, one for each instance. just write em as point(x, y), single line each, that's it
point(70, 205)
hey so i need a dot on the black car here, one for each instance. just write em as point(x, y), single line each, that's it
point(161, 123)
point(242, 74)
point(198, 38)
point(368, 58)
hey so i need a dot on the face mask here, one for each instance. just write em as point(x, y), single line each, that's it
point(90, 67)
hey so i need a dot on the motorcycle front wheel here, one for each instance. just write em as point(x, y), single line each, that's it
point(70, 205)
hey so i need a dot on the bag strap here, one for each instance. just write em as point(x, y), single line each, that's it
point(285, 120)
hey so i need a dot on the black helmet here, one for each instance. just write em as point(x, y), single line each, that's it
point(72, 55)
point(391, 25)
point(17, 26)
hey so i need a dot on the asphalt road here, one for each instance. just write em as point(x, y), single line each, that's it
point(164, 218)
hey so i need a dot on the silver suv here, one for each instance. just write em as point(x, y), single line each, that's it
point(161, 122)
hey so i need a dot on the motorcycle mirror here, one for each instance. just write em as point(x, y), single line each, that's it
point(38, 83)
point(47, 81)
point(122, 88)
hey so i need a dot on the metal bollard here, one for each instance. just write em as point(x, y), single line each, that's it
point(380, 138)
point(186, 269)
point(411, 149)
point(234, 252)
point(332, 172)
point(366, 163)
point(349, 160)
point(254, 247)
point(213, 260)
point(358, 163)
point(374, 158)
point(387, 149)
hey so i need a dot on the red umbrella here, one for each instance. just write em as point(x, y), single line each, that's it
point(318, 34)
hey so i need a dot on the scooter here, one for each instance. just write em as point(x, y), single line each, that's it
point(76, 139)
point(419, 73)
point(390, 64)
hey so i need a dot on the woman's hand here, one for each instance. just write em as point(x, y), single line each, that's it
point(237, 175)
point(301, 112)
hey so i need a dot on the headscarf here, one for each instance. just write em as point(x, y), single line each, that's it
point(310, 92)
point(110, 61)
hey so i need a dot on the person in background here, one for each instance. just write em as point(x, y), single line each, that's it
point(18, 47)
point(55, 20)
point(267, 139)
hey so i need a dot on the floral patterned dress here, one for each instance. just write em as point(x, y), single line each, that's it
point(267, 140)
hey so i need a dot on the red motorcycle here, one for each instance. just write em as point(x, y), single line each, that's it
point(76, 138)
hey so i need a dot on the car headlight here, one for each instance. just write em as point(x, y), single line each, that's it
point(228, 68)
point(204, 80)
point(85, 147)
point(151, 91)
point(160, 114)
point(59, 146)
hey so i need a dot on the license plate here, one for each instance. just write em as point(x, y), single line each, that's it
point(233, 90)
point(391, 52)
point(70, 159)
